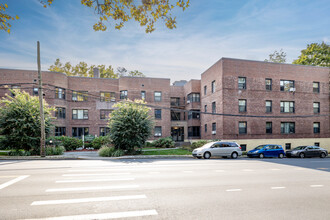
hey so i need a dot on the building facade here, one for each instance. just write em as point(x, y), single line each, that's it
point(241, 100)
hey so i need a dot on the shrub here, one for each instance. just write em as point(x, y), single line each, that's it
point(98, 142)
point(58, 150)
point(3, 143)
point(198, 144)
point(148, 145)
point(55, 141)
point(19, 153)
point(69, 143)
point(106, 151)
point(163, 142)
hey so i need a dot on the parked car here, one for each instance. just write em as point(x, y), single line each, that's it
point(218, 149)
point(267, 150)
point(307, 151)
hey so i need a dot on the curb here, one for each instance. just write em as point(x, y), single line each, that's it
point(95, 158)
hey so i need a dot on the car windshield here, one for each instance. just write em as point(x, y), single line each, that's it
point(260, 147)
point(299, 148)
point(207, 145)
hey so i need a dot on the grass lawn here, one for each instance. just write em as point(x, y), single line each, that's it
point(167, 152)
point(3, 153)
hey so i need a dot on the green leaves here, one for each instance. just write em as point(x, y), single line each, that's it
point(5, 18)
point(277, 57)
point(315, 55)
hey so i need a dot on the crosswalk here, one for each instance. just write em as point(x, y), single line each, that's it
point(94, 182)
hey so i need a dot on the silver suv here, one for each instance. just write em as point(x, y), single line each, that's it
point(218, 149)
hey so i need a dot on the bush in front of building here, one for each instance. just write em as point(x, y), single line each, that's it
point(165, 142)
point(108, 151)
point(57, 150)
point(98, 142)
point(20, 120)
point(69, 143)
point(130, 124)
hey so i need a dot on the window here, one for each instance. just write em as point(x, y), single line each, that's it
point(213, 86)
point(104, 131)
point(268, 106)
point(143, 94)
point(104, 113)
point(60, 131)
point(80, 96)
point(80, 131)
point(193, 114)
point(59, 93)
point(193, 97)
point(79, 114)
point(205, 108)
point(269, 127)
point(158, 96)
point(14, 87)
point(175, 101)
point(316, 107)
point(243, 147)
point(205, 128)
point(175, 116)
point(158, 114)
point(214, 128)
point(317, 144)
point(194, 131)
point(107, 96)
point(268, 84)
point(59, 112)
point(287, 85)
point(242, 127)
point(205, 90)
point(287, 107)
point(287, 127)
point(316, 87)
point(316, 127)
point(123, 94)
point(213, 107)
point(242, 105)
point(287, 146)
point(35, 91)
point(158, 131)
point(241, 83)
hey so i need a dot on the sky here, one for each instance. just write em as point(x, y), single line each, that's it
point(206, 31)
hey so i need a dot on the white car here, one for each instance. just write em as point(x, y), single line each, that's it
point(218, 149)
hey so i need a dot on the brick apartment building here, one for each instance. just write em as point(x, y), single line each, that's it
point(241, 100)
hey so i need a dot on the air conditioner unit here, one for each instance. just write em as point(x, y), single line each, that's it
point(113, 99)
point(214, 132)
point(292, 89)
point(188, 101)
point(74, 98)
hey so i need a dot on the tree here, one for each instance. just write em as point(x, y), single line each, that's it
point(5, 18)
point(277, 57)
point(315, 55)
point(130, 124)
point(82, 69)
point(20, 121)
point(145, 12)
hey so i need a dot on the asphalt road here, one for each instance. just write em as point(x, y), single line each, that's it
point(166, 189)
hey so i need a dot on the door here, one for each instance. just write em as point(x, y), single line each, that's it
point(309, 152)
point(177, 133)
point(268, 151)
point(215, 150)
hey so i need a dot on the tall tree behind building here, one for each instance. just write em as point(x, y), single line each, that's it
point(315, 55)
point(277, 57)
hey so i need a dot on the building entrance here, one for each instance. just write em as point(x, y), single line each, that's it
point(177, 133)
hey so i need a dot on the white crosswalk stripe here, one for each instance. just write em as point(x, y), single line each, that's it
point(94, 180)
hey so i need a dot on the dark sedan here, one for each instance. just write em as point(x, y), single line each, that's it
point(307, 151)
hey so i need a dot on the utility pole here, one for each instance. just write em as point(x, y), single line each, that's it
point(41, 103)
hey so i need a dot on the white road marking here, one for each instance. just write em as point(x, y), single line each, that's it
point(187, 171)
point(275, 169)
point(98, 199)
point(93, 180)
point(110, 215)
point(96, 174)
point(233, 190)
point(4, 185)
point(316, 185)
point(154, 172)
point(92, 188)
point(278, 187)
point(219, 171)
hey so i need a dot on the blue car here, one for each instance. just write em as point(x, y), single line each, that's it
point(267, 150)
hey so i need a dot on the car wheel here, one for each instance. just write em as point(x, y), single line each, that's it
point(207, 155)
point(288, 156)
point(199, 157)
point(281, 156)
point(234, 155)
point(323, 155)
point(302, 155)
point(261, 156)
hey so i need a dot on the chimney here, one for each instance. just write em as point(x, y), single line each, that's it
point(96, 72)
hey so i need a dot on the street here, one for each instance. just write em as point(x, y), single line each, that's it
point(165, 189)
